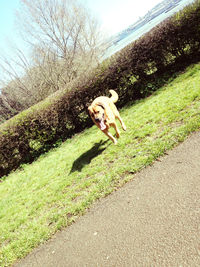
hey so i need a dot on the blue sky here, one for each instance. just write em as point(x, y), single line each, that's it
point(7, 13)
point(115, 15)
point(7, 23)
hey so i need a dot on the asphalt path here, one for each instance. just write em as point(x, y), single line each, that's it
point(154, 220)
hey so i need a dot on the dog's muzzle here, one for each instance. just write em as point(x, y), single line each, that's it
point(101, 123)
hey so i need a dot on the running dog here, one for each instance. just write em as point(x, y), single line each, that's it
point(104, 112)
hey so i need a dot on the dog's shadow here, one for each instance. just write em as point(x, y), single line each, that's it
point(86, 157)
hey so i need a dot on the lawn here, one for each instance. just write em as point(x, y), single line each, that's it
point(49, 194)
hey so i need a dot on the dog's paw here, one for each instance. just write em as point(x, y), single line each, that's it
point(115, 141)
point(124, 127)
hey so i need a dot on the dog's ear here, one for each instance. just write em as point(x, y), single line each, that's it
point(90, 109)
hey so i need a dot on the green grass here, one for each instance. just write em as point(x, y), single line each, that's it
point(52, 192)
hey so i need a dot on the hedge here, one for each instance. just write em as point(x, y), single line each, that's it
point(133, 72)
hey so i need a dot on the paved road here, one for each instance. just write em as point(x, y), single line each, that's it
point(152, 221)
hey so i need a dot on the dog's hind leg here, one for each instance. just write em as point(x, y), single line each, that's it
point(116, 130)
point(117, 116)
point(121, 121)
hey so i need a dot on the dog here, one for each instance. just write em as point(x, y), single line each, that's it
point(104, 112)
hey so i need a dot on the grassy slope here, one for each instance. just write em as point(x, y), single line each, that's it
point(51, 192)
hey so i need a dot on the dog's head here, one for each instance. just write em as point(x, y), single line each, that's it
point(97, 112)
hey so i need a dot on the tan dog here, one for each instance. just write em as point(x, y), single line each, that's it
point(104, 112)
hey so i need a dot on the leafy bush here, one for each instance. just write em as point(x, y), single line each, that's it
point(134, 72)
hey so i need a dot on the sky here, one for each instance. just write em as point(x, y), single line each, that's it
point(7, 23)
point(114, 15)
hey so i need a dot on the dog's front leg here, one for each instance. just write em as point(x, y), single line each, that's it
point(111, 137)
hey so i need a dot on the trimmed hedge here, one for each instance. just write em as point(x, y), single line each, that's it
point(134, 72)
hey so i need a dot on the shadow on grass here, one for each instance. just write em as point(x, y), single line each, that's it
point(86, 157)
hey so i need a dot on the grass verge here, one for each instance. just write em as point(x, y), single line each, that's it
point(52, 192)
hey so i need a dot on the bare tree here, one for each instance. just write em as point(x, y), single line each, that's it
point(65, 43)
point(64, 29)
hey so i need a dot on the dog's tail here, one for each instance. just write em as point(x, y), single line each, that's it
point(114, 96)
